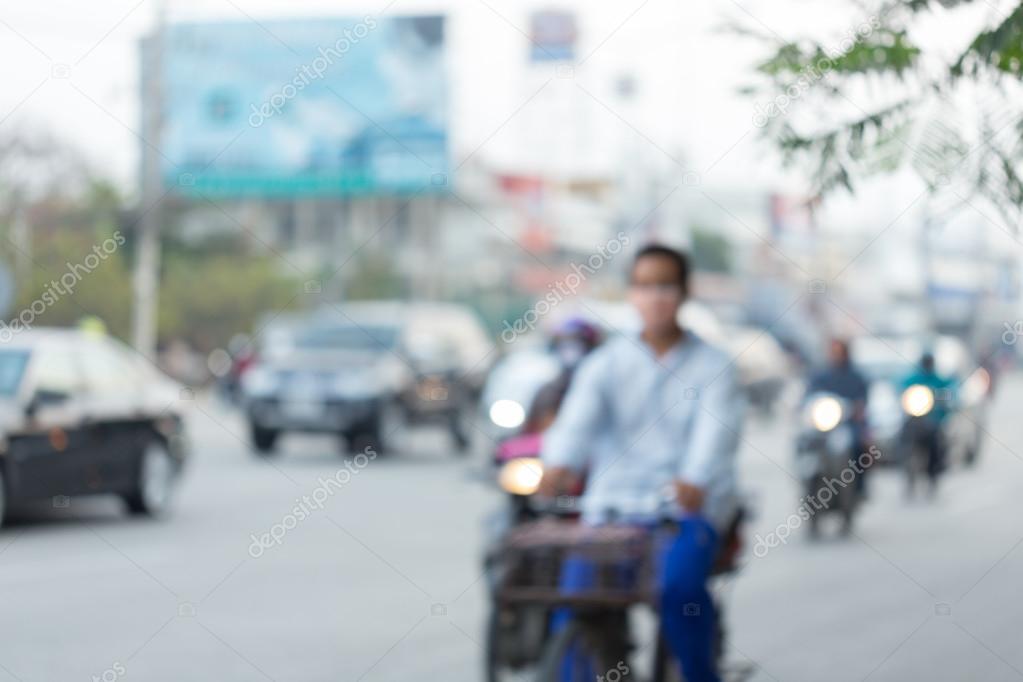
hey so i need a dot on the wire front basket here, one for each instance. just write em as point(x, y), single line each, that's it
point(564, 563)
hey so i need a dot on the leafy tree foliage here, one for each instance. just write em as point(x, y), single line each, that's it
point(887, 95)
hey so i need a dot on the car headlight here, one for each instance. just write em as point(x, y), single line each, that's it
point(976, 386)
point(917, 400)
point(507, 414)
point(521, 476)
point(825, 413)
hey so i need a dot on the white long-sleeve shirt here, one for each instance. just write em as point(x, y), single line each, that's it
point(637, 423)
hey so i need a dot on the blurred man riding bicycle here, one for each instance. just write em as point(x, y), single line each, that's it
point(651, 416)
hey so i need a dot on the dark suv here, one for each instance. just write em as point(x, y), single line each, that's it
point(367, 371)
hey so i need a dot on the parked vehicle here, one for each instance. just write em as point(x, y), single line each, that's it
point(367, 372)
point(82, 414)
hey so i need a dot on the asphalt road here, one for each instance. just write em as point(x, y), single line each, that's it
point(380, 578)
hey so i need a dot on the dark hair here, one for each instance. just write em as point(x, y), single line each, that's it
point(677, 257)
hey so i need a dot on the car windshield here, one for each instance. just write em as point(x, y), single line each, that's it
point(349, 337)
point(12, 367)
point(886, 371)
point(883, 359)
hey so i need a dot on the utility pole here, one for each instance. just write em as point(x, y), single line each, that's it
point(21, 237)
point(147, 257)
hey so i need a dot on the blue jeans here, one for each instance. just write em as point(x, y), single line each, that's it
point(688, 616)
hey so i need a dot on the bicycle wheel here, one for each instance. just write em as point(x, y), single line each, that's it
point(665, 667)
point(513, 656)
point(584, 652)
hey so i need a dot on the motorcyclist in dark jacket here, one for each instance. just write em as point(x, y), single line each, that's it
point(841, 378)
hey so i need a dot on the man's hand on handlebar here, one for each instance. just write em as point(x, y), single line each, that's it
point(555, 481)
point(689, 496)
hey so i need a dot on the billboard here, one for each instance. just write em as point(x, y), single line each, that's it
point(304, 107)
point(553, 36)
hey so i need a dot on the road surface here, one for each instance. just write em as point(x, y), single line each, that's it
point(379, 580)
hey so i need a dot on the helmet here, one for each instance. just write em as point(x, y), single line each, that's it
point(577, 328)
point(572, 339)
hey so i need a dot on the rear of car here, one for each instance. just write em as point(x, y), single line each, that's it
point(81, 414)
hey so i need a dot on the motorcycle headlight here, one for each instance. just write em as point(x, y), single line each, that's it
point(917, 400)
point(507, 414)
point(825, 413)
point(521, 476)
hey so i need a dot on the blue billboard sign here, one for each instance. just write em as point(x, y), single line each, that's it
point(304, 107)
point(553, 36)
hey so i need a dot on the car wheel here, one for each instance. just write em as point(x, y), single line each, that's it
point(154, 486)
point(263, 439)
point(361, 440)
point(459, 428)
point(391, 434)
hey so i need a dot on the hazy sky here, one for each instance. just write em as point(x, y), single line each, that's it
point(72, 68)
point(686, 71)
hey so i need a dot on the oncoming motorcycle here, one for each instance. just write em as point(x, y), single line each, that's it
point(515, 636)
point(921, 439)
point(825, 445)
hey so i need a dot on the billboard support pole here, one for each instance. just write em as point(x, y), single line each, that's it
point(146, 280)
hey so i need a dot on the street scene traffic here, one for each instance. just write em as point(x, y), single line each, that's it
point(556, 342)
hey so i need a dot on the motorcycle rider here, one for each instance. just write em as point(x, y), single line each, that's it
point(571, 341)
point(842, 378)
point(648, 412)
point(927, 375)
